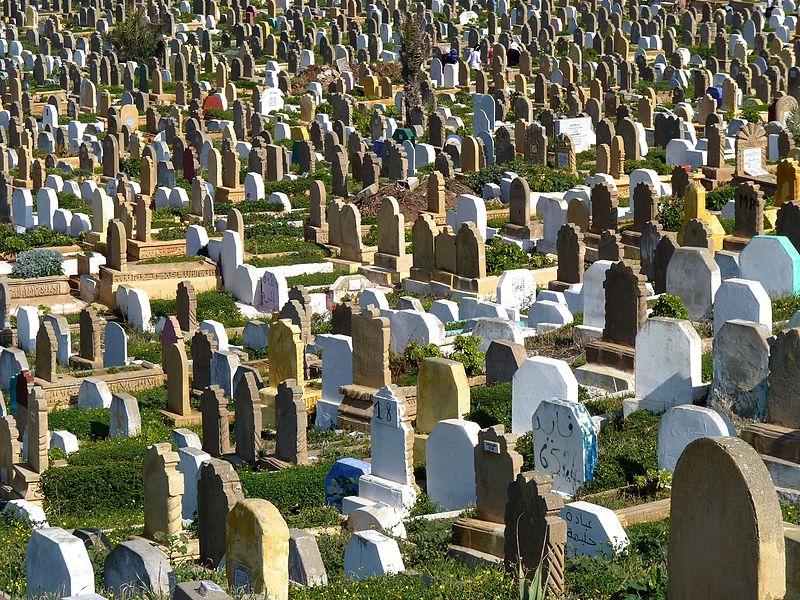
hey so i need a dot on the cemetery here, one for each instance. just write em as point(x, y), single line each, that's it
point(324, 299)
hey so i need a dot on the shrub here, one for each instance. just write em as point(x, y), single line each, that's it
point(70, 201)
point(14, 536)
point(292, 490)
point(311, 279)
point(503, 257)
point(218, 306)
point(540, 178)
point(304, 257)
point(793, 125)
point(102, 486)
point(465, 351)
point(668, 305)
point(490, 405)
point(783, 309)
point(136, 38)
point(716, 199)
point(38, 263)
point(405, 367)
point(131, 166)
point(640, 572)
point(671, 213)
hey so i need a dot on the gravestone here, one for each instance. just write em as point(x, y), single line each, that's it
point(257, 549)
point(564, 443)
point(503, 358)
point(537, 379)
point(728, 474)
point(216, 428)
point(535, 534)
point(163, 489)
point(681, 425)
point(218, 491)
point(442, 392)
point(176, 367)
point(668, 363)
point(56, 562)
point(248, 422)
point(450, 463)
point(291, 422)
point(593, 530)
point(186, 307)
point(137, 567)
point(305, 561)
point(124, 417)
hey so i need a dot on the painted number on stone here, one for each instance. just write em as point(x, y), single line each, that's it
point(383, 414)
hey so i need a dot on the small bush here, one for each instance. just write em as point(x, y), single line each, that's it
point(70, 202)
point(38, 263)
point(405, 367)
point(136, 38)
point(668, 305)
point(490, 405)
point(131, 166)
point(540, 178)
point(627, 448)
point(465, 351)
point(218, 306)
point(292, 490)
point(312, 279)
point(671, 213)
point(503, 257)
point(783, 309)
point(716, 199)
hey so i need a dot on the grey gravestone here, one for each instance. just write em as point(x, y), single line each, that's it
point(503, 358)
point(136, 566)
point(305, 562)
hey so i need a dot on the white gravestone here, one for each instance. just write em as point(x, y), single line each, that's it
point(564, 444)
point(681, 425)
point(539, 378)
point(593, 530)
point(450, 463)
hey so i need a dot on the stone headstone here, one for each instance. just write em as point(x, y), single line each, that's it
point(564, 443)
point(724, 472)
point(136, 566)
point(537, 379)
point(532, 516)
point(450, 463)
point(56, 562)
point(218, 491)
point(257, 556)
point(681, 425)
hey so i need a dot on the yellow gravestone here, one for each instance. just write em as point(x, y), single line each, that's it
point(257, 545)
point(695, 208)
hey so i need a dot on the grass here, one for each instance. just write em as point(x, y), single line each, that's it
point(313, 279)
point(625, 449)
point(557, 344)
point(158, 260)
point(783, 309)
point(296, 258)
point(214, 305)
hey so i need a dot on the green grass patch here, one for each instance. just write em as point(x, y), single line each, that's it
point(214, 305)
point(312, 279)
point(490, 404)
point(296, 258)
point(159, 260)
point(783, 309)
point(626, 448)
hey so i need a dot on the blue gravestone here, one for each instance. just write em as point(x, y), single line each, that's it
point(342, 480)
